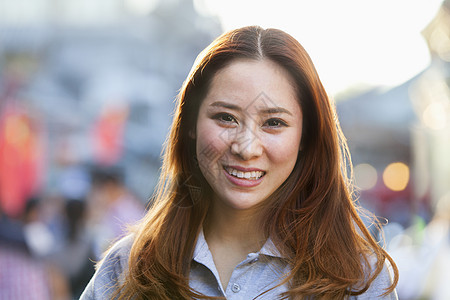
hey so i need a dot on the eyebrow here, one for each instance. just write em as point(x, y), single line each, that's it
point(276, 110)
point(226, 105)
point(268, 110)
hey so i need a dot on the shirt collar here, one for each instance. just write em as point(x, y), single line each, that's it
point(270, 249)
point(202, 250)
point(201, 247)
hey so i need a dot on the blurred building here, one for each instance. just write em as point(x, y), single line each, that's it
point(377, 125)
point(431, 101)
point(400, 138)
point(101, 77)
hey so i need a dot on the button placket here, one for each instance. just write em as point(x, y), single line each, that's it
point(241, 273)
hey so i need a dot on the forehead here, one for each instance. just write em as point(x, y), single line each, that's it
point(249, 82)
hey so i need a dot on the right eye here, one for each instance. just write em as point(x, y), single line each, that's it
point(225, 118)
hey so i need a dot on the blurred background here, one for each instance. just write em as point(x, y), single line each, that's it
point(87, 90)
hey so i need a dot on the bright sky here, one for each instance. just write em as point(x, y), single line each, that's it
point(352, 42)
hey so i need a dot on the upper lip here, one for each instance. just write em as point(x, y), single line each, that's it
point(243, 169)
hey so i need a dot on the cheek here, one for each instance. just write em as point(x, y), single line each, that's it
point(284, 149)
point(209, 146)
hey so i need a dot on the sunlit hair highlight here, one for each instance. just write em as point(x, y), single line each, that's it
point(315, 221)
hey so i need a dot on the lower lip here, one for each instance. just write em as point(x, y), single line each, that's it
point(242, 181)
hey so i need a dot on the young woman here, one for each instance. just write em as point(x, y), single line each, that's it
point(254, 201)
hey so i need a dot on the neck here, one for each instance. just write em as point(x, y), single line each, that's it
point(231, 235)
point(236, 228)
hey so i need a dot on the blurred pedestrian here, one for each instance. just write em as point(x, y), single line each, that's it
point(254, 199)
point(22, 275)
point(38, 235)
point(75, 256)
point(112, 207)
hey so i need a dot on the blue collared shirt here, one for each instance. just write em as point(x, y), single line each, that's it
point(258, 273)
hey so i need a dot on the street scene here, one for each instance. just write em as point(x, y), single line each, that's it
point(87, 96)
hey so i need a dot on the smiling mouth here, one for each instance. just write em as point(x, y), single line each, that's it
point(251, 175)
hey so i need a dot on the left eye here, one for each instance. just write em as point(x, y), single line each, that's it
point(274, 123)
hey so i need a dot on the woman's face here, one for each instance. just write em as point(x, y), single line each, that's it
point(248, 132)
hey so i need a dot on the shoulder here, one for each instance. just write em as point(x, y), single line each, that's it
point(110, 272)
point(379, 286)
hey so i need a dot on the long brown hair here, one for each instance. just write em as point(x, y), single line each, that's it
point(315, 224)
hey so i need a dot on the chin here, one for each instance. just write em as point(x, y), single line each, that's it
point(244, 204)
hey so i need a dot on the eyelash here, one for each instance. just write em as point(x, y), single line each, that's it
point(231, 119)
point(280, 123)
point(220, 117)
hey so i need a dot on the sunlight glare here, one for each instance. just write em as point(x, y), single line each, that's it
point(351, 42)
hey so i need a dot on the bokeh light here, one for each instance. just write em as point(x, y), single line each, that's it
point(434, 116)
point(365, 176)
point(396, 176)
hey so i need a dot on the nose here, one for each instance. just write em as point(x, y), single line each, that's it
point(246, 144)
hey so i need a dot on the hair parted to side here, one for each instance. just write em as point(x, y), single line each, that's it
point(315, 222)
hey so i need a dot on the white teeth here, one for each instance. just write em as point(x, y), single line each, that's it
point(253, 175)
